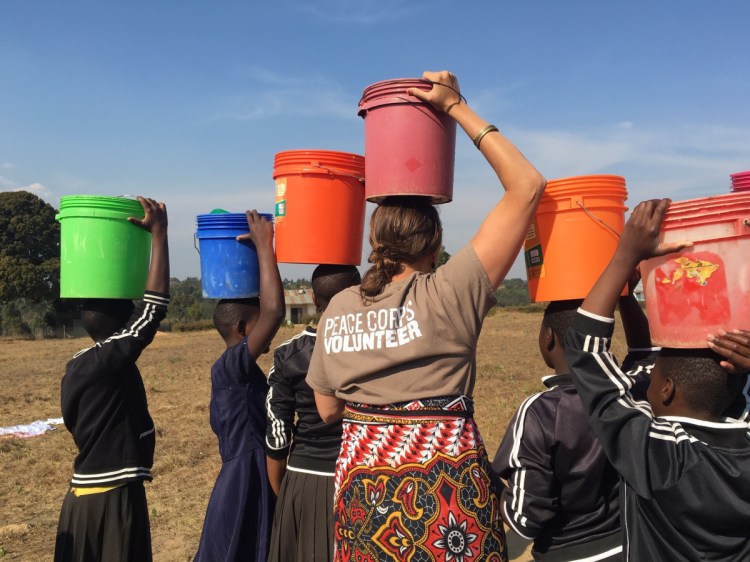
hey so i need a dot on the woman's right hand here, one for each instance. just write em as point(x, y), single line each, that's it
point(444, 93)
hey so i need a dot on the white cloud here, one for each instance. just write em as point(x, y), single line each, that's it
point(6, 166)
point(690, 161)
point(271, 95)
point(37, 189)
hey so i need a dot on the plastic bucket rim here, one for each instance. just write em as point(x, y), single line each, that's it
point(344, 164)
point(391, 92)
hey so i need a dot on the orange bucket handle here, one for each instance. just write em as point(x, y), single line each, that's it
point(335, 172)
point(597, 219)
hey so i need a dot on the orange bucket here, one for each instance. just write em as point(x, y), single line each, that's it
point(320, 206)
point(574, 235)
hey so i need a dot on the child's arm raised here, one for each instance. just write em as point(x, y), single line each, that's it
point(639, 241)
point(271, 292)
point(155, 222)
point(620, 422)
point(634, 321)
point(502, 233)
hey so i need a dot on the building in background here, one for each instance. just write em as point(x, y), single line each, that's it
point(299, 305)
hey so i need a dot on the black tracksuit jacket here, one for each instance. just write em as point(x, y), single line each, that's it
point(685, 492)
point(104, 403)
point(311, 444)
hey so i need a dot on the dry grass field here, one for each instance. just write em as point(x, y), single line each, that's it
point(176, 368)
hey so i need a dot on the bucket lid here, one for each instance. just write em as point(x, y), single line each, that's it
point(593, 185)
point(226, 220)
point(392, 92)
point(708, 210)
point(99, 206)
point(593, 179)
point(319, 162)
point(723, 199)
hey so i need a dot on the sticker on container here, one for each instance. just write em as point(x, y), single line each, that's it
point(693, 289)
point(280, 209)
point(531, 234)
point(534, 262)
point(280, 188)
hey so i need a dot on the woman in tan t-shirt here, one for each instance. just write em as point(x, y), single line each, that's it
point(397, 361)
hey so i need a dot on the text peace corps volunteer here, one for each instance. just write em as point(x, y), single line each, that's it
point(372, 329)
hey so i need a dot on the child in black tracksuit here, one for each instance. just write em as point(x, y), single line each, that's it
point(562, 493)
point(301, 448)
point(104, 514)
point(685, 469)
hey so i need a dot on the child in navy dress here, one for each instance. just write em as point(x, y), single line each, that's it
point(240, 511)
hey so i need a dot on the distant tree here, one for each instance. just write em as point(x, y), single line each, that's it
point(300, 283)
point(29, 248)
point(443, 257)
point(186, 303)
point(513, 292)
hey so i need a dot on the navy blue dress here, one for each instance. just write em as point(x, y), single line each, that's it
point(240, 511)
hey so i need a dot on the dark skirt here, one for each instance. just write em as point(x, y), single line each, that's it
point(110, 526)
point(303, 522)
point(239, 513)
point(413, 482)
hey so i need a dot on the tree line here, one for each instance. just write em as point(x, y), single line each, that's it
point(30, 275)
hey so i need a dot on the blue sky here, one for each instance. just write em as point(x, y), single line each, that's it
point(188, 101)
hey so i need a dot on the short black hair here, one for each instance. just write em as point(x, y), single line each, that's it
point(328, 280)
point(229, 312)
point(704, 384)
point(102, 318)
point(559, 316)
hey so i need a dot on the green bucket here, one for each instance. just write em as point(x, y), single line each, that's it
point(102, 255)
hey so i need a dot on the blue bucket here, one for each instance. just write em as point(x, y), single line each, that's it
point(229, 269)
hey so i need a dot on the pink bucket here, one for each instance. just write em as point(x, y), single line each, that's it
point(704, 288)
point(740, 181)
point(409, 147)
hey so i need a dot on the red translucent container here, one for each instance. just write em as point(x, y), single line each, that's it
point(704, 288)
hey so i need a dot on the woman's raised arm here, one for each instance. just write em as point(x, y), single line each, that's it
point(499, 238)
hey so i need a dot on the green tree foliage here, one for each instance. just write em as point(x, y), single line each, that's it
point(300, 283)
point(513, 292)
point(27, 319)
point(443, 256)
point(186, 302)
point(29, 248)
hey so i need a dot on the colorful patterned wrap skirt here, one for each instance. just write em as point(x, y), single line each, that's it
point(413, 484)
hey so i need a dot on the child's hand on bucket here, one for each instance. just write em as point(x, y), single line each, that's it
point(735, 347)
point(155, 219)
point(640, 237)
point(444, 94)
point(261, 230)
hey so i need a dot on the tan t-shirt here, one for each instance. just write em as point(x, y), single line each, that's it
point(416, 340)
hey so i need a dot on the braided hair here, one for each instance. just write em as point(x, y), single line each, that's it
point(403, 230)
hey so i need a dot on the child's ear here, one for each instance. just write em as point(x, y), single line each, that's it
point(549, 337)
point(240, 327)
point(667, 391)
